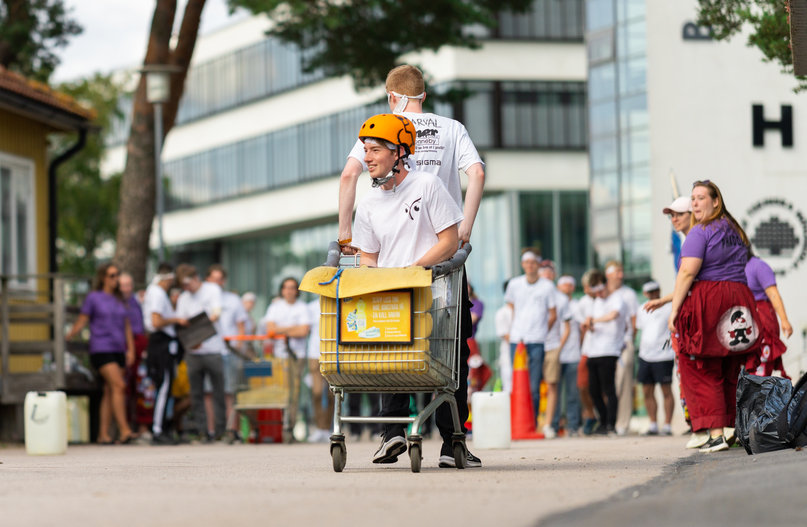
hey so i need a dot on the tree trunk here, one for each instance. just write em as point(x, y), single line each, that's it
point(138, 186)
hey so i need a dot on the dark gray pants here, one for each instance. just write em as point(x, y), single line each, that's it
point(212, 365)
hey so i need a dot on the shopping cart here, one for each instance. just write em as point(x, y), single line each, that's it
point(425, 361)
point(264, 392)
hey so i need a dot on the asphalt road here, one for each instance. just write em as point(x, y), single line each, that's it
point(727, 488)
point(237, 485)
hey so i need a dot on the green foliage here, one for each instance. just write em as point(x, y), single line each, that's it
point(87, 202)
point(366, 38)
point(768, 23)
point(30, 33)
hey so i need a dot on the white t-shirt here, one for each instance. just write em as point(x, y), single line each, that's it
point(608, 338)
point(585, 307)
point(503, 321)
point(401, 225)
point(156, 301)
point(208, 299)
point(443, 148)
point(571, 350)
point(631, 301)
point(556, 331)
point(232, 312)
point(655, 334)
point(531, 305)
point(313, 336)
point(284, 314)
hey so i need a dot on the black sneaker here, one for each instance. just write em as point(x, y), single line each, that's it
point(715, 444)
point(163, 439)
point(390, 449)
point(471, 461)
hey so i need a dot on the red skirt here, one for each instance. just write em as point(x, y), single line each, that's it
point(771, 349)
point(718, 319)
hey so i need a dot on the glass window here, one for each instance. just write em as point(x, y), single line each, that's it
point(601, 46)
point(574, 240)
point(631, 39)
point(604, 189)
point(606, 250)
point(602, 153)
point(632, 76)
point(636, 185)
point(633, 112)
point(630, 9)
point(599, 14)
point(536, 221)
point(602, 82)
point(17, 218)
point(603, 118)
point(635, 148)
point(636, 221)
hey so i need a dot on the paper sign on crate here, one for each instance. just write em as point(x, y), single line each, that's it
point(384, 317)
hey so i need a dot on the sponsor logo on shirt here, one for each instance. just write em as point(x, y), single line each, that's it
point(412, 209)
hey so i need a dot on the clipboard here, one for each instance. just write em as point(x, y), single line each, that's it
point(198, 330)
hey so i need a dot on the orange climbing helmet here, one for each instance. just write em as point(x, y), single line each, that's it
point(395, 129)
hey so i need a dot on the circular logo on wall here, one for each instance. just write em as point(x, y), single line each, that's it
point(736, 330)
point(778, 233)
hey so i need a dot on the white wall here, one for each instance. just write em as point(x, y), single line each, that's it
point(700, 96)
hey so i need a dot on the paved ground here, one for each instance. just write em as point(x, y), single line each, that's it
point(295, 484)
point(729, 488)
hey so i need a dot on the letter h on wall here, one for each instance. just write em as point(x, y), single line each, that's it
point(784, 125)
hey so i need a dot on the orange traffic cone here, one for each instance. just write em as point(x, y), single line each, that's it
point(522, 415)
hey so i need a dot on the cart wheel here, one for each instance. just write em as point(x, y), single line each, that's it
point(339, 455)
point(460, 456)
point(415, 456)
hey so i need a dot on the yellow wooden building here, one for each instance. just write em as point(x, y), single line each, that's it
point(29, 113)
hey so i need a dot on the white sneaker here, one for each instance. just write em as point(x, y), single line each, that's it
point(549, 432)
point(730, 436)
point(697, 439)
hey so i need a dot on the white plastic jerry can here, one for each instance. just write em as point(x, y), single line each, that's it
point(45, 423)
point(491, 419)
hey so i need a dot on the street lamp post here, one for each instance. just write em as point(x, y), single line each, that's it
point(158, 91)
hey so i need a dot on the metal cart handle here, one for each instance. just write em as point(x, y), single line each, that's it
point(455, 262)
point(334, 253)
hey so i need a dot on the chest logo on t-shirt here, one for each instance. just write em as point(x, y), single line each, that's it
point(412, 209)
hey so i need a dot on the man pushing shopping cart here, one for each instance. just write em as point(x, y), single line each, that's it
point(407, 219)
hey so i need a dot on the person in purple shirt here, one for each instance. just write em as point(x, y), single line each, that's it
point(762, 282)
point(111, 348)
point(713, 314)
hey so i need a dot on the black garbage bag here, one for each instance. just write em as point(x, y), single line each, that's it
point(760, 401)
point(792, 427)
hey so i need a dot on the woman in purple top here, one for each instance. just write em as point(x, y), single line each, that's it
point(713, 314)
point(111, 348)
point(762, 282)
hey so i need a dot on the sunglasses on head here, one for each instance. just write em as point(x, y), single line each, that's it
point(705, 183)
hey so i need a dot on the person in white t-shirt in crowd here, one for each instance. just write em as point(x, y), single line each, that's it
point(207, 359)
point(390, 231)
point(569, 359)
point(320, 391)
point(607, 324)
point(555, 340)
point(656, 359)
point(592, 281)
point(248, 302)
point(614, 277)
point(163, 351)
point(233, 323)
point(503, 322)
point(533, 301)
point(289, 320)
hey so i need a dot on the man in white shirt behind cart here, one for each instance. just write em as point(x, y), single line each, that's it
point(656, 358)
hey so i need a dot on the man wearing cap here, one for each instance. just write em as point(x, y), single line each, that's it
point(533, 301)
point(656, 359)
point(569, 359)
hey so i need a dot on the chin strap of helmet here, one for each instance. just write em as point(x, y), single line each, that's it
point(377, 182)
